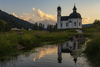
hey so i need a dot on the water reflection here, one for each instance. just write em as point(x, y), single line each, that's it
point(66, 53)
point(69, 47)
point(47, 50)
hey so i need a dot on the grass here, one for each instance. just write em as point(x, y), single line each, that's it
point(93, 47)
point(9, 41)
point(93, 50)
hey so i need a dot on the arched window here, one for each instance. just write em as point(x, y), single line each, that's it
point(79, 23)
point(74, 23)
point(66, 24)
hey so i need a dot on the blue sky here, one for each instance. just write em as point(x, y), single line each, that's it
point(89, 9)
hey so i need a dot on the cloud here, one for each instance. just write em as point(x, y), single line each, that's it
point(14, 14)
point(44, 51)
point(85, 20)
point(40, 17)
point(24, 16)
point(44, 16)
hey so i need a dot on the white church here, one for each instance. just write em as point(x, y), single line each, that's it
point(74, 20)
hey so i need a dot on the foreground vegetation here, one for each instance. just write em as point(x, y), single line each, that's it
point(93, 47)
point(9, 41)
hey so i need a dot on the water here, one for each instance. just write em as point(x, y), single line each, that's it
point(57, 55)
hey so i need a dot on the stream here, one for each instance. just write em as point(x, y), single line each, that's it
point(57, 55)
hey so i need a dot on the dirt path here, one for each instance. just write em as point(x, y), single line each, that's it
point(79, 31)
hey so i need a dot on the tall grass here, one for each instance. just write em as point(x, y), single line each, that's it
point(9, 41)
point(8, 44)
point(93, 47)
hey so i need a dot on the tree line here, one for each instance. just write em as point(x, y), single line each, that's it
point(40, 26)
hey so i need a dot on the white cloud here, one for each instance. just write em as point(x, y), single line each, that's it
point(45, 16)
point(14, 14)
point(42, 17)
point(85, 20)
point(24, 16)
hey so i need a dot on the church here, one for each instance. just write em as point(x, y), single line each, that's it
point(74, 20)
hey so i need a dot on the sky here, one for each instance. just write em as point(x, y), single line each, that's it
point(40, 10)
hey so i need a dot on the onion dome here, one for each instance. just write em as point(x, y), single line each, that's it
point(58, 8)
point(75, 14)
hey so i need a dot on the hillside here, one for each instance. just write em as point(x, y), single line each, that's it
point(15, 22)
point(86, 25)
point(93, 47)
point(93, 28)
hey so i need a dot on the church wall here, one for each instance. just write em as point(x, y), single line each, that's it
point(70, 24)
point(80, 23)
point(77, 21)
point(74, 23)
point(64, 24)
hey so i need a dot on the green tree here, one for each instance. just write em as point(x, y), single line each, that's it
point(7, 27)
point(40, 26)
point(4, 26)
point(35, 26)
point(96, 21)
point(50, 28)
point(55, 27)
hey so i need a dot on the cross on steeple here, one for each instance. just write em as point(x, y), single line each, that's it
point(74, 9)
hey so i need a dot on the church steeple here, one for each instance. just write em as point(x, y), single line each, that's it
point(74, 9)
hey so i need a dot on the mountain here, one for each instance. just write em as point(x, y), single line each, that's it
point(93, 28)
point(31, 21)
point(15, 22)
point(86, 25)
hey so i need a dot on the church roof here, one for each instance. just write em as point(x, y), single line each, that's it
point(64, 18)
point(72, 15)
point(75, 15)
point(74, 8)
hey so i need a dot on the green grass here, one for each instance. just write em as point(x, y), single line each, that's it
point(93, 50)
point(8, 44)
point(9, 41)
point(93, 47)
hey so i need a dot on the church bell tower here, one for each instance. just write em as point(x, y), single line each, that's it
point(58, 16)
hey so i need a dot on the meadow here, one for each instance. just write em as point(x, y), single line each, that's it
point(10, 41)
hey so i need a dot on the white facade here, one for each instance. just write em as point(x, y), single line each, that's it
point(74, 20)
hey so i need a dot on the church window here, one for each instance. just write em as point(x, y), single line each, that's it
point(74, 23)
point(70, 21)
point(79, 23)
point(66, 24)
point(61, 24)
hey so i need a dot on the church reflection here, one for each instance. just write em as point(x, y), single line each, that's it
point(68, 47)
